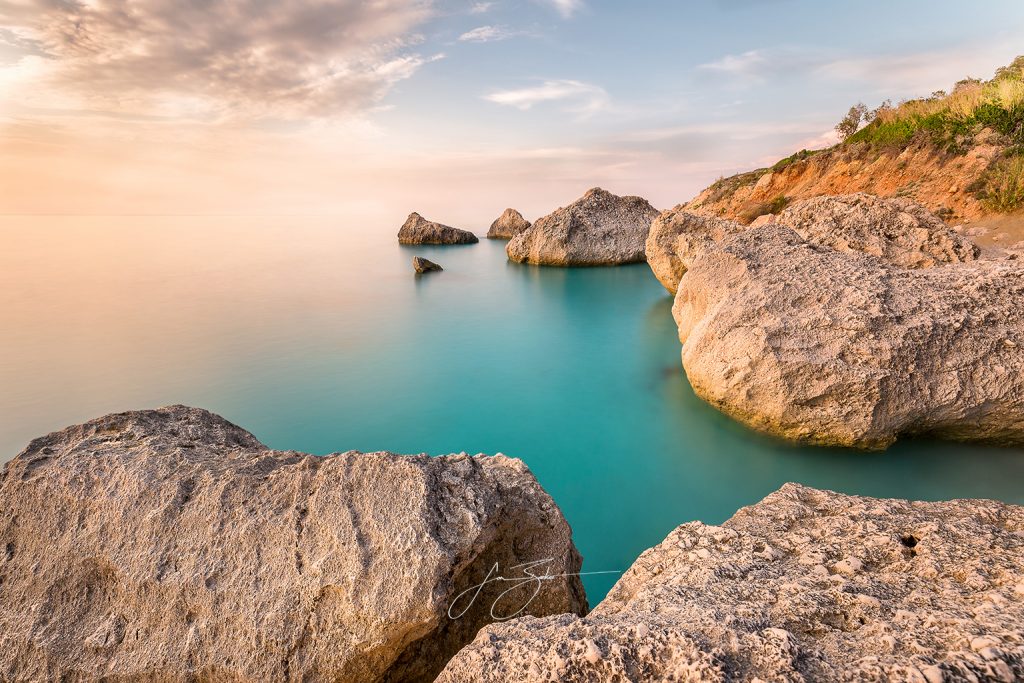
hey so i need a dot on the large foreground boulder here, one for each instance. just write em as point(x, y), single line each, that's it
point(806, 585)
point(833, 348)
point(599, 229)
point(418, 230)
point(508, 225)
point(170, 545)
point(898, 231)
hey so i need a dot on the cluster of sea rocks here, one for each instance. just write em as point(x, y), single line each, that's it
point(598, 229)
point(844, 320)
point(171, 545)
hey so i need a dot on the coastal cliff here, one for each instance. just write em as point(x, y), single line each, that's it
point(171, 545)
point(958, 153)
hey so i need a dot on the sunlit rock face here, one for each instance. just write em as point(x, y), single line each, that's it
point(898, 231)
point(418, 230)
point(509, 224)
point(598, 229)
point(806, 585)
point(844, 348)
point(171, 545)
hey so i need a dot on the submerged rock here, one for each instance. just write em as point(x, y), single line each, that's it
point(599, 229)
point(171, 545)
point(898, 231)
point(418, 230)
point(806, 585)
point(508, 225)
point(824, 347)
point(422, 265)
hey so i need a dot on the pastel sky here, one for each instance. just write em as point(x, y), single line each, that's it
point(455, 108)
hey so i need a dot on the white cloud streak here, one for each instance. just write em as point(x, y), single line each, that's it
point(578, 97)
point(486, 34)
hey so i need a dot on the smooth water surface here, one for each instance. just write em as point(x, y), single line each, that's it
point(314, 334)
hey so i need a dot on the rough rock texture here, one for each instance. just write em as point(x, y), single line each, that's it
point(898, 231)
point(508, 225)
point(422, 265)
point(418, 230)
point(806, 585)
point(599, 229)
point(675, 234)
point(170, 545)
point(825, 347)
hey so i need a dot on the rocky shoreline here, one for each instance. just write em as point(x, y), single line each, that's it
point(170, 545)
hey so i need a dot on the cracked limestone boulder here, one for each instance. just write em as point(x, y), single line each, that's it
point(846, 349)
point(171, 545)
point(804, 586)
point(598, 229)
point(898, 231)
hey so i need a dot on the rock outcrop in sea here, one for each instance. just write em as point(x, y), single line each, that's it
point(418, 230)
point(898, 231)
point(422, 265)
point(599, 229)
point(833, 348)
point(508, 225)
point(171, 545)
point(806, 585)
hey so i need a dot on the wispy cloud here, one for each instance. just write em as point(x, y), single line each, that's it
point(764, 64)
point(480, 7)
point(578, 97)
point(486, 34)
point(300, 57)
point(566, 8)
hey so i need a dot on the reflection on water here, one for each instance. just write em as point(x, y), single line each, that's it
point(321, 339)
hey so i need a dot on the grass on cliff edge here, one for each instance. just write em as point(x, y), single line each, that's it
point(952, 120)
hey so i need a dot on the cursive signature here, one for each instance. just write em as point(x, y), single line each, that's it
point(529, 579)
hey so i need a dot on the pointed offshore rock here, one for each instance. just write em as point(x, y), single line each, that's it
point(171, 545)
point(599, 229)
point(806, 585)
point(418, 230)
point(897, 231)
point(508, 225)
point(422, 265)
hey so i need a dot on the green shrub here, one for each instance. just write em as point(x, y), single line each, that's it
point(1002, 187)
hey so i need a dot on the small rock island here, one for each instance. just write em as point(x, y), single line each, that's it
point(508, 225)
point(598, 229)
point(418, 230)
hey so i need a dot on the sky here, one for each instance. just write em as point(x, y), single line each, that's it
point(453, 108)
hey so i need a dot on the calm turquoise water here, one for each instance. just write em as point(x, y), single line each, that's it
point(316, 336)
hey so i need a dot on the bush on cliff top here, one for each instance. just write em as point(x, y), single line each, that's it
point(949, 120)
